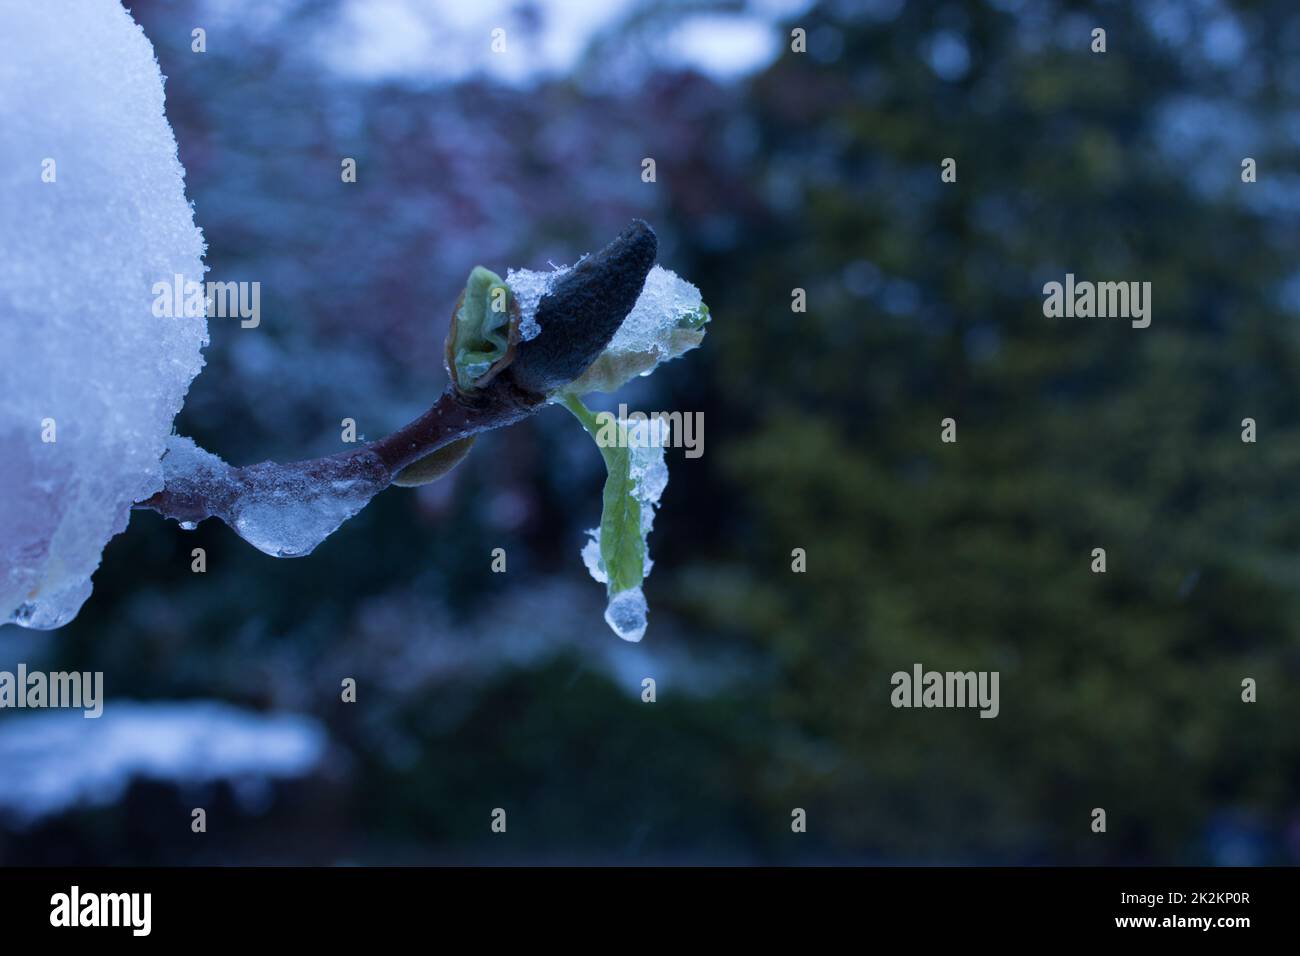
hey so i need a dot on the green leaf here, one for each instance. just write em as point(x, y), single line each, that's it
point(484, 330)
point(696, 320)
point(622, 542)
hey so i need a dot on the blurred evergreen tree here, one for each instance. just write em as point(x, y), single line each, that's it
point(1119, 690)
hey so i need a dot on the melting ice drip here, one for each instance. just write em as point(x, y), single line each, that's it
point(646, 439)
point(282, 510)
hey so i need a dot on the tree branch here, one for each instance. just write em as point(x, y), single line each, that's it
point(577, 317)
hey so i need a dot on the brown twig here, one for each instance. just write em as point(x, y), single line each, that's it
point(578, 317)
point(452, 417)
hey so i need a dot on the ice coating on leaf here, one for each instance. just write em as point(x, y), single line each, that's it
point(282, 510)
point(93, 215)
point(591, 556)
point(626, 614)
point(647, 440)
point(667, 321)
point(528, 287)
point(666, 299)
point(647, 476)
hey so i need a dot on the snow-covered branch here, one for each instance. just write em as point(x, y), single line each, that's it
point(95, 366)
point(288, 509)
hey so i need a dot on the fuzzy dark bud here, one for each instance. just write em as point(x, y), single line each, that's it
point(583, 310)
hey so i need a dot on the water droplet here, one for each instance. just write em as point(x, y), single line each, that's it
point(626, 614)
point(44, 617)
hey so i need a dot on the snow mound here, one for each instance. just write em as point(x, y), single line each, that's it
point(94, 214)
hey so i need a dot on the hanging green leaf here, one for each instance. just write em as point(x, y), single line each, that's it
point(618, 555)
